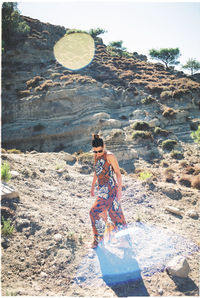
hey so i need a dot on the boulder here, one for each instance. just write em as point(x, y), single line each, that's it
point(178, 267)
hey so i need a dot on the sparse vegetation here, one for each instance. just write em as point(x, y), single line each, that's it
point(148, 100)
point(6, 227)
point(141, 125)
point(24, 93)
point(142, 135)
point(169, 112)
point(145, 175)
point(168, 144)
point(34, 82)
point(160, 131)
point(196, 135)
point(14, 151)
point(5, 172)
point(86, 157)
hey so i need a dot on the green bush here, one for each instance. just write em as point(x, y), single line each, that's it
point(145, 175)
point(141, 125)
point(196, 135)
point(139, 134)
point(160, 131)
point(166, 94)
point(14, 151)
point(147, 100)
point(12, 25)
point(6, 228)
point(5, 172)
point(168, 144)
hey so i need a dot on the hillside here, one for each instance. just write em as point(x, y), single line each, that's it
point(145, 114)
point(48, 108)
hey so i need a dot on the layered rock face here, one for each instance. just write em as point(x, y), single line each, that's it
point(49, 108)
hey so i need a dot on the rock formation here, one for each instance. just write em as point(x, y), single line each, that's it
point(49, 108)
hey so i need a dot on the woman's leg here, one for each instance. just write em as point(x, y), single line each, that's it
point(116, 214)
point(98, 216)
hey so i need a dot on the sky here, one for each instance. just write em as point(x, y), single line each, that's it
point(141, 25)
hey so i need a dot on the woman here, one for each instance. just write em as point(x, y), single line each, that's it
point(109, 192)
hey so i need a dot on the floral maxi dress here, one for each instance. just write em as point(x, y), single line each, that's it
point(107, 206)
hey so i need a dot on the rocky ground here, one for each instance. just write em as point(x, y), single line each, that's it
point(48, 254)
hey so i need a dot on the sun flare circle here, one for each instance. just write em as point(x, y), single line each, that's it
point(75, 51)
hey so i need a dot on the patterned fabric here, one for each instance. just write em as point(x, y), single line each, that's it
point(106, 209)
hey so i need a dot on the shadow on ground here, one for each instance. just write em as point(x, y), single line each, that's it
point(186, 286)
point(121, 273)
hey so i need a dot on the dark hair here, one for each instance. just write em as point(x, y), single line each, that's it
point(97, 141)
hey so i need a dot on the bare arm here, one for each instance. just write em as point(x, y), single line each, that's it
point(113, 161)
point(93, 184)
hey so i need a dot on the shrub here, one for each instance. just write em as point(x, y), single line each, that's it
point(45, 85)
point(185, 181)
point(141, 125)
point(138, 134)
point(160, 131)
point(177, 154)
point(86, 157)
point(148, 100)
point(33, 82)
point(168, 144)
point(166, 94)
point(196, 135)
point(15, 151)
point(145, 175)
point(5, 172)
point(55, 74)
point(169, 112)
point(195, 181)
point(24, 93)
point(6, 228)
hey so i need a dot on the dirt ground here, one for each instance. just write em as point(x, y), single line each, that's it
point(48, 253)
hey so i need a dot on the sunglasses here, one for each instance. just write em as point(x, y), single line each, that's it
point(100, 151)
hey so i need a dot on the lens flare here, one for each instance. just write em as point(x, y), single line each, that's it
point(152, 248)
point(75, 51)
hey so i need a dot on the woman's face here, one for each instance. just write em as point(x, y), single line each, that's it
point(98, 151)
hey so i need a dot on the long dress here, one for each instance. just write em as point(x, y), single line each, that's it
point(106, 207)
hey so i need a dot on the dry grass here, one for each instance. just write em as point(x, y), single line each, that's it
point(45, 86)
point(76, 78)
point(34, 82)
point(169, 112)
point(24, 93)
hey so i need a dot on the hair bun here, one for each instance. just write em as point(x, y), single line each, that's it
point(94, 137)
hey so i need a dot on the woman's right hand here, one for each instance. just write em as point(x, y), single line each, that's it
point(92, 191)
